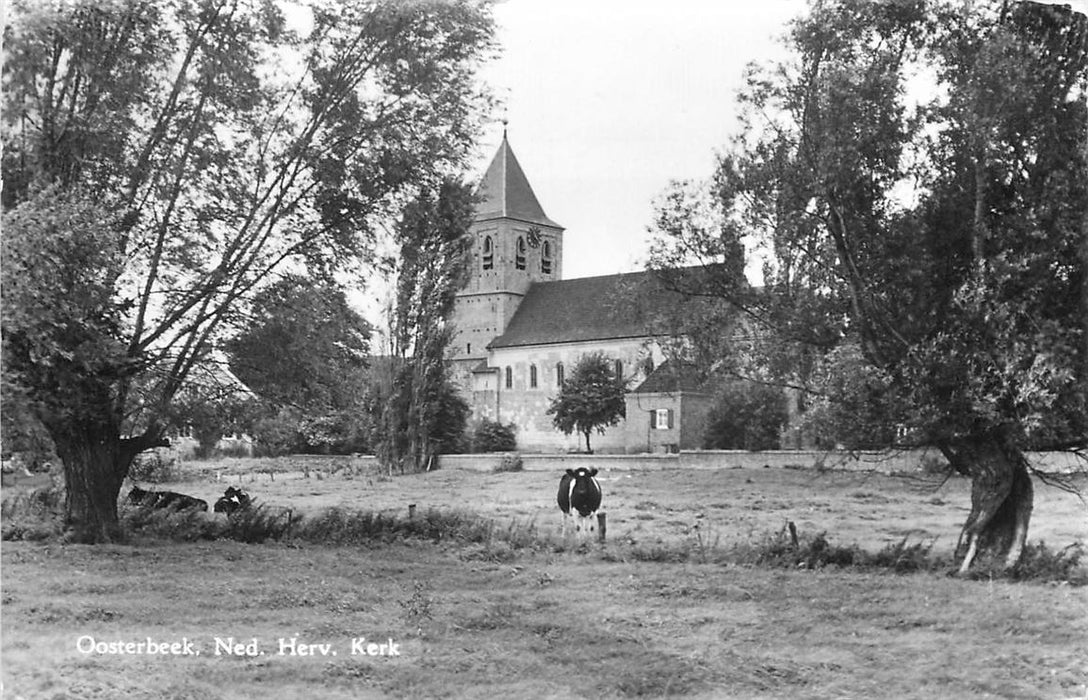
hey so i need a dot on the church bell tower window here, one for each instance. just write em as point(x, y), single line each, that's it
point(546, 258)
point(519, 258)
point(489, 253)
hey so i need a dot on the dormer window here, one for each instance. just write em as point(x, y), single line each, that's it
point(489, 253)
point(519, 257)
point(546, 258)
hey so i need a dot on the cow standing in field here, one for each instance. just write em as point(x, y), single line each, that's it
point(164, 499)
point(579, 498)
point(232, 501)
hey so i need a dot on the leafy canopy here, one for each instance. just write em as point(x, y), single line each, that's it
point(934, 235)
point(591, 398)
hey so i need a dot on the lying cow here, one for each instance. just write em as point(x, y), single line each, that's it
point(164, 499)
point(232, 501)
point(579, 498)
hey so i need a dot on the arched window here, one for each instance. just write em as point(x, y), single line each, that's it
point(509, 378)
point(559, 374)
point(489, 253)
point(532, 376)
point(519, 257)
point(619, 369)
point(546, 258)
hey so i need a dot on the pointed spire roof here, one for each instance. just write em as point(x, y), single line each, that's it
point(505, 191)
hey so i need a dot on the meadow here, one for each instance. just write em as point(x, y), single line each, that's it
point(672, 605)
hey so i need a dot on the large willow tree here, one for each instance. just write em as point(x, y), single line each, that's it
point(163, 160)
point(917, 172)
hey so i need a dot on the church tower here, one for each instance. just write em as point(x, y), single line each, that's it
point(514, 245)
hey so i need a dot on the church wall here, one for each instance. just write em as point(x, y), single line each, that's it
point(527, 406)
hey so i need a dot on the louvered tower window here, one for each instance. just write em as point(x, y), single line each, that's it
point(546, 257)
point(489, 253)
point(519, 257)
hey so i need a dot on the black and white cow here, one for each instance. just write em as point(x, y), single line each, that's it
point(164, 499)
point(579, 498)
point(232, 501)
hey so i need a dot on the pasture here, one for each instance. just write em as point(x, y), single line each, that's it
point(472, 620)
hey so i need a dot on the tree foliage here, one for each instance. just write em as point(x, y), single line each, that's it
point(746, 416)
point(933, 240)
point(423, 415)
point(492, 436)
point(304, 351)
point(162, 161)
point(591, 398)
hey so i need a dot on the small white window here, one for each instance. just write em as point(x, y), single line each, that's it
point(662, 419)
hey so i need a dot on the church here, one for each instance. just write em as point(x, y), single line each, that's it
point(521, 327)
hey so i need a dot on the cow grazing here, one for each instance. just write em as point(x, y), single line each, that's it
point(579, 498)
point(232, 501)
point(164, 499)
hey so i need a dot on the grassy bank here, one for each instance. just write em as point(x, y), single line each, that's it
point(545, 625)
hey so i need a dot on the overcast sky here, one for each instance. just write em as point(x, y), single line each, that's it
point(609, 100)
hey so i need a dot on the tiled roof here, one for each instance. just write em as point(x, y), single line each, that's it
point(590, 308)
point(505, 192)
point(669, 378)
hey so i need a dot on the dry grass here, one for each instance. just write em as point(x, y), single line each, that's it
point(477, 620)
point(651, 507)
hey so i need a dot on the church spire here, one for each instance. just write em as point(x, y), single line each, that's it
point(505, 191)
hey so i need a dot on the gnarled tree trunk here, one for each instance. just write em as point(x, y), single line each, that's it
point(96, 461)
point(1002, 497)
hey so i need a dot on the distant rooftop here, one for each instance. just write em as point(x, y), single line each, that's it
point(671, 377)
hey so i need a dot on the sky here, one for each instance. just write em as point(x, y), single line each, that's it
point(607, 101)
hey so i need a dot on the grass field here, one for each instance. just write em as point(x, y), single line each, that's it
point(480, 621)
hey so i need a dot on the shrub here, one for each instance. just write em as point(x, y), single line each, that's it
point(260, 523)
point(34, 515)
point(510, 463)
point(188, 525)
point(746, 416)
point(1040, 563)
point(155, 466)
point(492, 436)
point(903, 558)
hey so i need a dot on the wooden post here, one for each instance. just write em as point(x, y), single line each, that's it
point(411, 510)
point(601, 527)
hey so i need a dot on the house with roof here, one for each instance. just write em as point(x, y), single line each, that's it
point(520, 327)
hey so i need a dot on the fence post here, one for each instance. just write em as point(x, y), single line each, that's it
point(411, 510)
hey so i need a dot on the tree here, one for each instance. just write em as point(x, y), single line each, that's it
point(493, 436)
point(423, 414)
point(162, 161)
point(591, 398)
point(211, 413)
point(746, 416)
point(303, 346)
point(936, 241)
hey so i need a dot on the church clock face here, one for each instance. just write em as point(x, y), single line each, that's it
point(534, 236)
